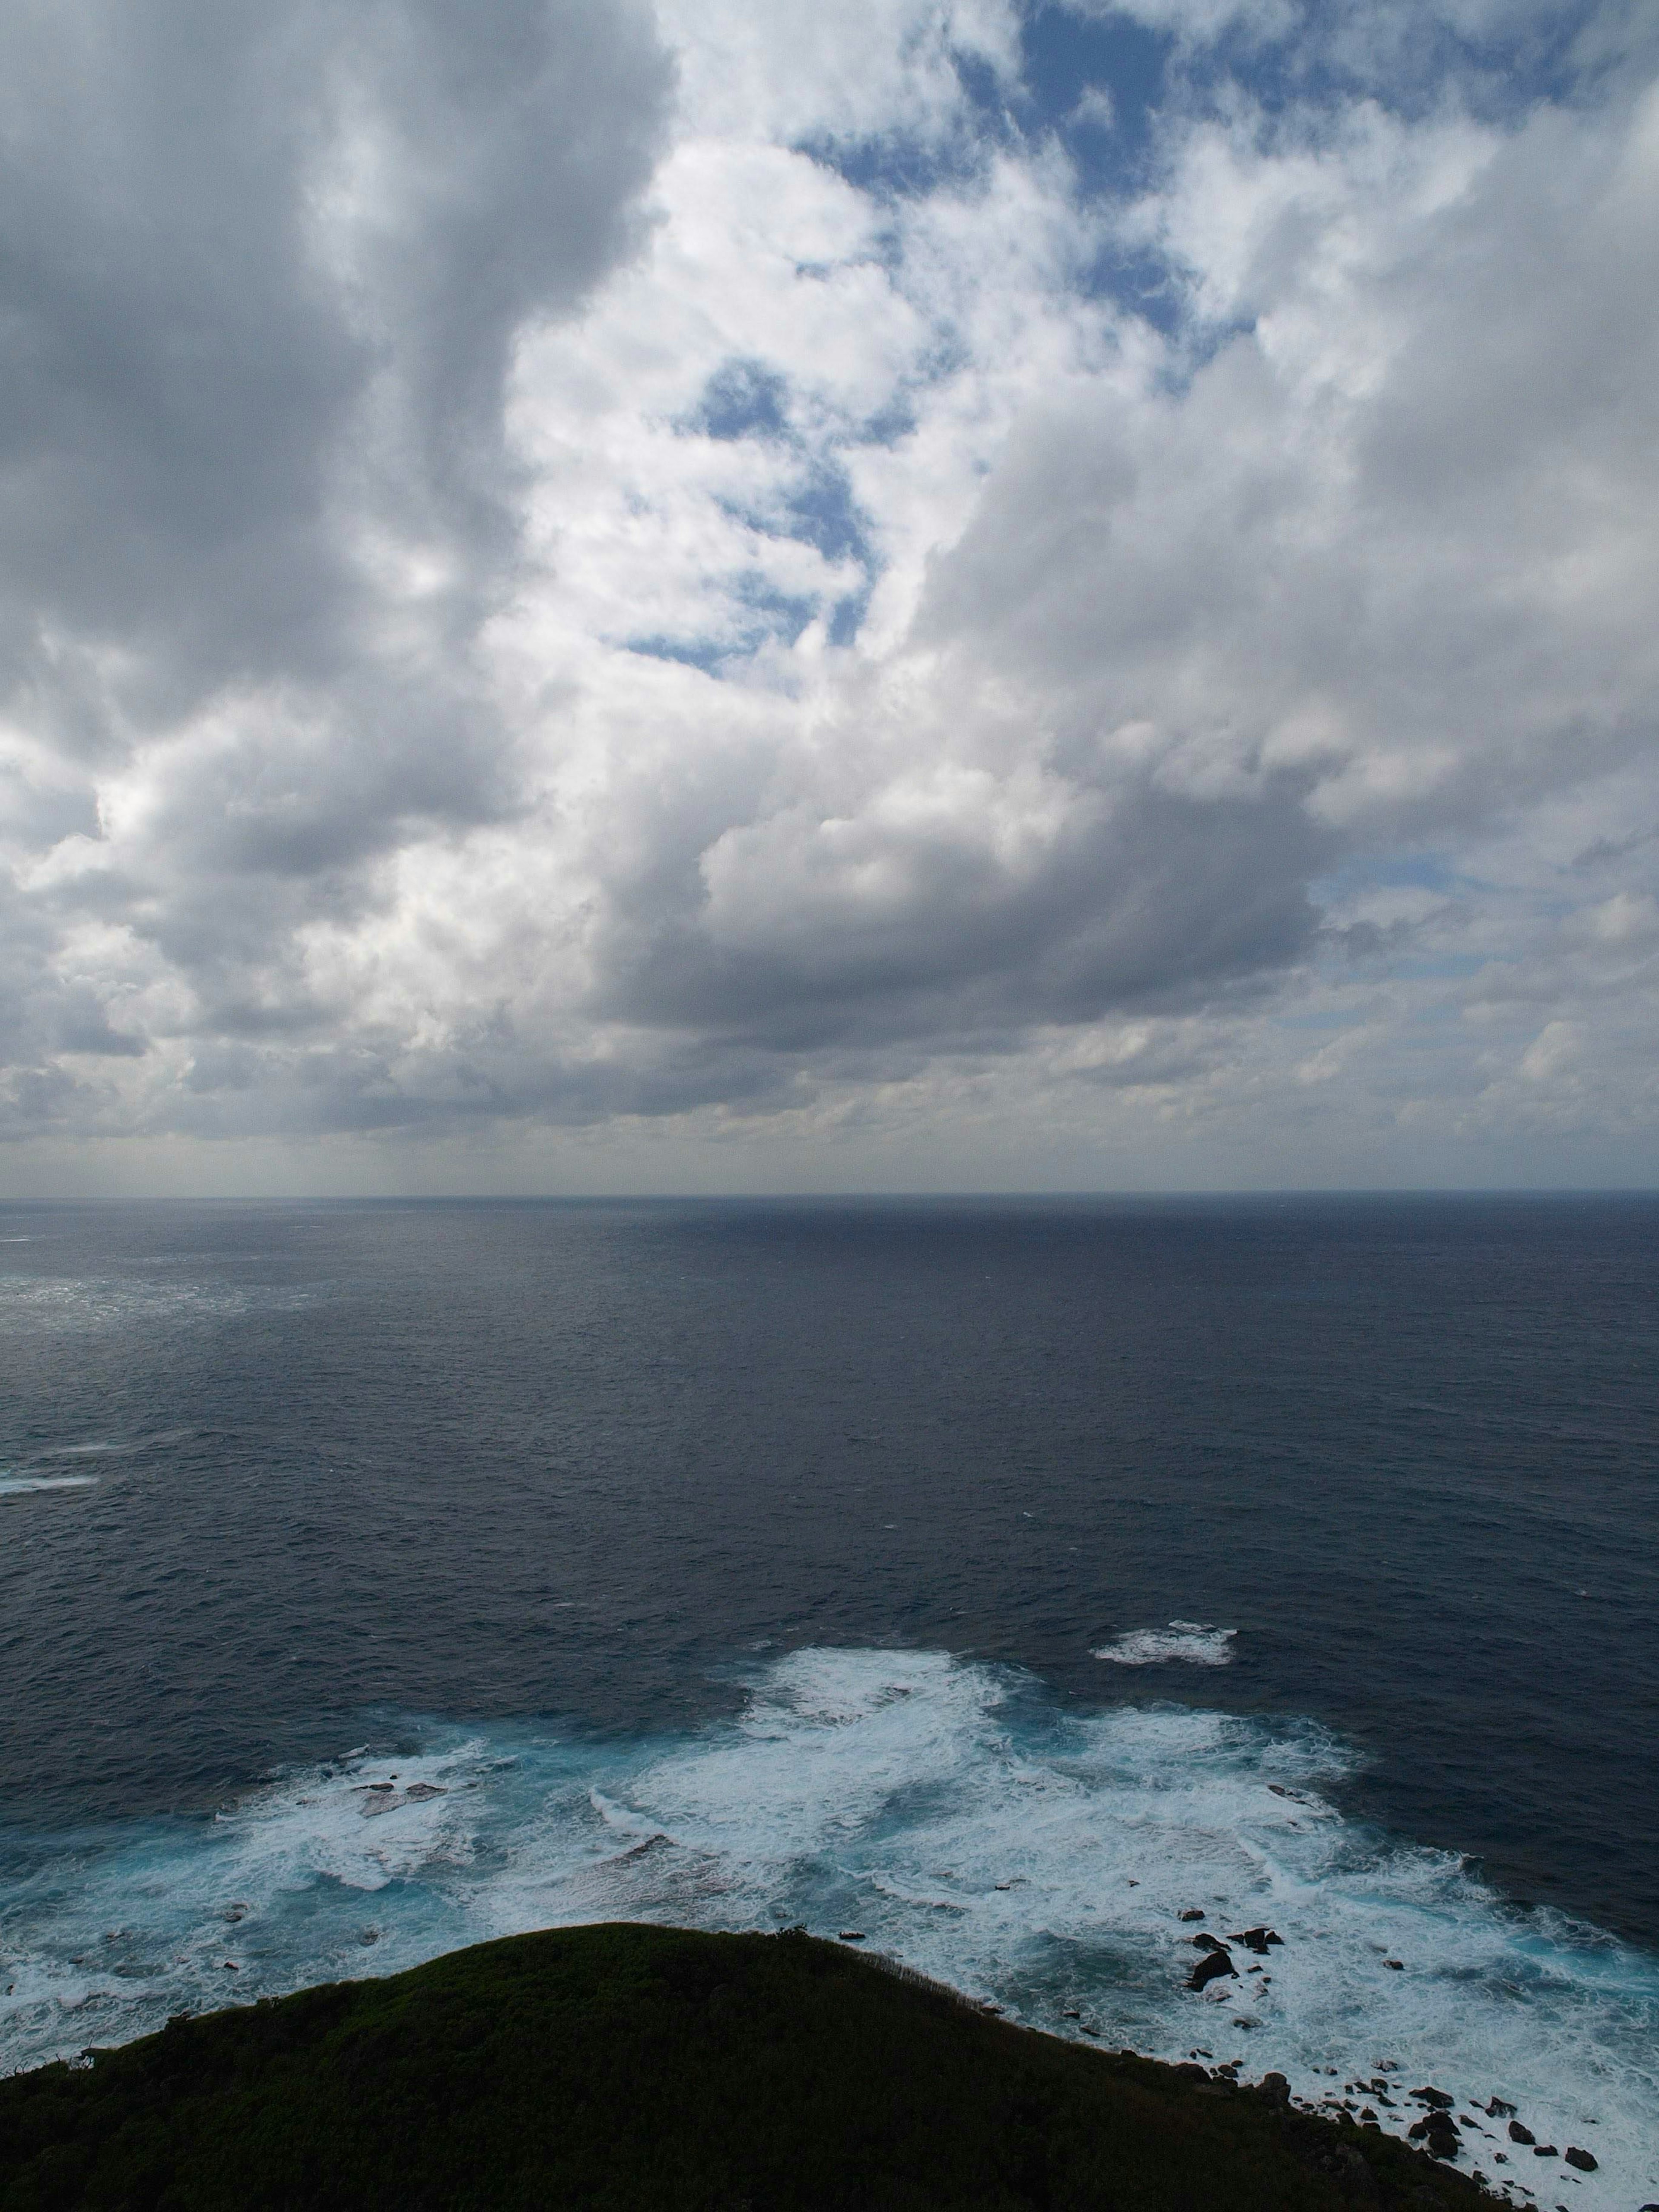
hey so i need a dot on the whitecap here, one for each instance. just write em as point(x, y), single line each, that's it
point(1035, 1857)
point(1192, 1643)
point(21, 1486)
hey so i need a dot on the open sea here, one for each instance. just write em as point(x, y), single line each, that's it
point(999, 1580)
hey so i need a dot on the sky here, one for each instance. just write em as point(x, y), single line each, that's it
point(884, 595)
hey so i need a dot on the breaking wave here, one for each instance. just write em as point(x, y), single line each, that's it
point(1193, 1642)
point(949, 1812)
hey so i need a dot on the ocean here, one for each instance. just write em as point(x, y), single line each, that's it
point(995, 1581)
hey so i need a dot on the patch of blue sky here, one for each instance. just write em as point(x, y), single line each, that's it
point(900, 166)
point(819, 510)
point(1096, 83)
point(1100, 79)
point(749, 399)
point(1408, 60)
point(776, 614)
point(823, 513)
point(1147, 284)
point(819, 513)
point(773, 616)
point(846, 617)
point(743, 399)
point(948, 354)
point(892, 423)
point(704, 652)
point(897, 165)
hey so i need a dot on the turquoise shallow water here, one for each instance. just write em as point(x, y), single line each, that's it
point(949, 1815)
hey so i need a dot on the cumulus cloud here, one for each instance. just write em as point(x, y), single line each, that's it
point(744, 574)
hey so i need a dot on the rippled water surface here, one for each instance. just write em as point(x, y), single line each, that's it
point(997, 1581)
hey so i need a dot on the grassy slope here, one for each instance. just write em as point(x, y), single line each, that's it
point(635, 2068)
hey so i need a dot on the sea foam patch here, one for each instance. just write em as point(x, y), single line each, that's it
point(21, 1486)
point(1192, 1643)
point(956, 1819)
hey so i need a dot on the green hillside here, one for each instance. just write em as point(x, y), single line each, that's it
point(634, 2068)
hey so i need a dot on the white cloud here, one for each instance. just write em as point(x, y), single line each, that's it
point(818, 676)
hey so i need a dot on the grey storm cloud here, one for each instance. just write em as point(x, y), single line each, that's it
point(263, 270)
point(263, 266)
point(1138, 899)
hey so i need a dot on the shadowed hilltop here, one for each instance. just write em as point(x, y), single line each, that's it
point(631, 2068)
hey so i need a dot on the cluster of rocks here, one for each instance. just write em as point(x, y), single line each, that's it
point(1441, 2132)
point(1439, 2129)
point(383, 1797)
point(1217, 1959)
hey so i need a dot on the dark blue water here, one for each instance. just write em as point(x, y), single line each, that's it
point(277, 1482)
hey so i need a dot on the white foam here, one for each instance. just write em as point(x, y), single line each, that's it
point(1193, 1643)
point(1037, 1858)
point(20, 1485)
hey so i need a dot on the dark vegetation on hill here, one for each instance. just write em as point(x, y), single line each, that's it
point(640, 2067)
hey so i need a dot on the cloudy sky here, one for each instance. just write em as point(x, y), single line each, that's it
point(870, 594)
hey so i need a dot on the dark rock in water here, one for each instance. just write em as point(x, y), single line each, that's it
point(1207, 1943)
point(1276, 2087)
point(1212, 1964)
point(1434, 2124)
point(1499, 2109)
point(418, 1791)
point(1519, 2132)
point(1397, 1966)
point(1193, 1915)
point(1582, 2158)
point(1187, 2071)
point(1430, 2095)
point(851, 1934)
point(1545, 2150)
point(1259, 1938)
